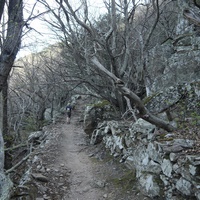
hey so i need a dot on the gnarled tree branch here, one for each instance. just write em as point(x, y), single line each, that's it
point(143, 111)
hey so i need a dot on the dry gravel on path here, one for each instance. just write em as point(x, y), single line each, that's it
point(76, 170)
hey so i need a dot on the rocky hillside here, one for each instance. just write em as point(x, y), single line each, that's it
point(166, 165)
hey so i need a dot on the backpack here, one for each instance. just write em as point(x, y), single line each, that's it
point(68, 109)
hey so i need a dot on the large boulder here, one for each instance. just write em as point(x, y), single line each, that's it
point(97, 112)
point(176, 60)
point(178, 104)
point(90, 119)
point(5, 187)
point(5, 182)
point(50, 115)
point(36, 136)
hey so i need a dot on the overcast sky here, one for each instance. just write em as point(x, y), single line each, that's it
point(40, 36)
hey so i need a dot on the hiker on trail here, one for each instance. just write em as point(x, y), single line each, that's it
point(69, 110)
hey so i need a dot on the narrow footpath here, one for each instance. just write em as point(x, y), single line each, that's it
point(77, 170)
point(75, 158)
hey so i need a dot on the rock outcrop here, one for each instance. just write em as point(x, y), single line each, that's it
point(5, 182)
point(177, 61)
point(163, 167)
point(95, 113)
point(166, 165)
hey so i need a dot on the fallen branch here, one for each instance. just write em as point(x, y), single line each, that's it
point(143, 111)
point(15, 147)
point(18, 164)
point(130, 109)
point(192, 17)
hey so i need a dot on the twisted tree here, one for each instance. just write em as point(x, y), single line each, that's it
point(10, 44)
point(116, 45)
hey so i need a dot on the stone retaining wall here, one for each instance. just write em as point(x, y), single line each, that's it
point(163, 166)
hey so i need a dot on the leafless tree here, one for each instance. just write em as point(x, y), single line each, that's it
point(13, 27)
point(36, 86)
point(119, 42)
point(11, 32)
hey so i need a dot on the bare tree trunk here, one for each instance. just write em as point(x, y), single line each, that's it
point(144, 113)
point(1, 154)
point(9, 50)
point(6, 135)
point(2, 4)
point(12, 42)
point(5, 107)
point(5, 183)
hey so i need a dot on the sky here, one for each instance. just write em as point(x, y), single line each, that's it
point(37, 37)
point(40, 36)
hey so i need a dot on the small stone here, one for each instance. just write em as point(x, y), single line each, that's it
point(40, 177)
point(48, 170)
point(173, 157)
point(56, 170)
point(46, 197)
point(100, 184)
point(39, 167)
point(60, 184)
point(42, 170)
point(169, 135)
point(197, 158)
point(105, 196)
point(184, 186)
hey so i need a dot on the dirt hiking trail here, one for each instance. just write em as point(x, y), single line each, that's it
point(81, 169)
point(77, 170)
